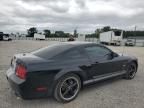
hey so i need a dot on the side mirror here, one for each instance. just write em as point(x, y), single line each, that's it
point(114, 54)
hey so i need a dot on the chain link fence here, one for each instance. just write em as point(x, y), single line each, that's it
point(61, 39)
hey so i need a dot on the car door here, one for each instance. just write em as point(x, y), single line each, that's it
point(73, 60)
point(102, 61)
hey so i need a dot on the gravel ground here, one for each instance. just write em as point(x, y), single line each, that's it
point(115, 93)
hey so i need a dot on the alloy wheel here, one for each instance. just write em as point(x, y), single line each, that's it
point(132, 71)
point(69, 88)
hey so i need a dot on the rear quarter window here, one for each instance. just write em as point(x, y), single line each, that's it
point(70, 54)
point(50, 51)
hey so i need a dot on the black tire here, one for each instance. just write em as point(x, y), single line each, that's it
point(131, 71)
point(59, 96)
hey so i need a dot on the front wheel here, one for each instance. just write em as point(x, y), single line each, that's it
point(67, 88)
point(131, 71)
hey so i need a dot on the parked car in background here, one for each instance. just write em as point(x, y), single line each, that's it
point(130, 42)
point(6, 37)
point(71, 38)
point(61, 70)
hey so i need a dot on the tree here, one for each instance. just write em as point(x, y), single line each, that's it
point(106, 28)
point(59, 34)
point(32, 31)
point(97, 32)
point(47, 33)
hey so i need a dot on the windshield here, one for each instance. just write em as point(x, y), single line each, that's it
point(129, 40)
point(117, 33)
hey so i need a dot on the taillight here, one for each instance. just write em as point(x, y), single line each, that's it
point(21, 71)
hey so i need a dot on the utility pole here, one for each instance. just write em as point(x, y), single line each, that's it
point(135, 30)
point(75, 32)
point(135, 33)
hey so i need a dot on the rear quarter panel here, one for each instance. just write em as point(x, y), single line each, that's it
point(47, 74)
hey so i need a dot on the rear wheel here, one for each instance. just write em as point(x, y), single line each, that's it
point(67, 88)
point(131, 71)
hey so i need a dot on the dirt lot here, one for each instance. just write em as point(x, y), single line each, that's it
point(116, 93)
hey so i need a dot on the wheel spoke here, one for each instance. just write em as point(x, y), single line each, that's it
point(65, 85)
point(132, 71)
point(73, 85)
point(66, 92)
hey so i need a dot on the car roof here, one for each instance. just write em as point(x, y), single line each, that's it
point(55, 49)
point(77, 43)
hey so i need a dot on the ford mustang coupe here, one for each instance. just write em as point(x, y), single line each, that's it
point(61, 70)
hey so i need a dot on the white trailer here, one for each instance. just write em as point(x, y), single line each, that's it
point(111, 37)
point(81, 37)
point(39, 36)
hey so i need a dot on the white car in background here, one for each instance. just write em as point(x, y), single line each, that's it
point(6, 37)
point(129, 42)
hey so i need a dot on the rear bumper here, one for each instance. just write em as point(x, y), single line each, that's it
point(16, 88)
point(17, 84)
point(24, 88)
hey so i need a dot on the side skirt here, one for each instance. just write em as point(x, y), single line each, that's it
point(102, 77)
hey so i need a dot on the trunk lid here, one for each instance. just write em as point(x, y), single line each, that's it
point(26, 59)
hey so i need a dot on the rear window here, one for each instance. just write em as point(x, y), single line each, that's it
point(51, 51)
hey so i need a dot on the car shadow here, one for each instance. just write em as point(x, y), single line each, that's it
point(93, 86)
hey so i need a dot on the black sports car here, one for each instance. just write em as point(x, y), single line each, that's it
point(61, 70)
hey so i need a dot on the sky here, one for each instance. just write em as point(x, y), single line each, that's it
point(84, 15)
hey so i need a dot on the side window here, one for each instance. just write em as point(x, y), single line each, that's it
point(71, 55)
point(96, 51)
